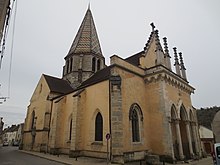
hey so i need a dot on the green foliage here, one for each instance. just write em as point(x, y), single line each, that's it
point(206, 115)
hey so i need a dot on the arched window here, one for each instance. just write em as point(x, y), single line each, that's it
point(67, 66)
point(98, 127)
point(70, 131)
point(135, 116)
point(71, 64)
point(135, 126)
point(93, 64)
point(183, 113)
point(98, 64)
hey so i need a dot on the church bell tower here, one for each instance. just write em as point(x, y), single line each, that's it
point(85, 55)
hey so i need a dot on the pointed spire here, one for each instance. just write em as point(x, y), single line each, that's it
point(182, 67)
point(176, 64)
point(167, 55)
point(89, 6)
point(86, 40)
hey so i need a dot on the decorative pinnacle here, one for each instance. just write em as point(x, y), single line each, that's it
point(181, 61)
point(165, 40)
point(175, 56)
point(165, 46)
point(175, 53)
point(156, 34)
point(181, 57)
point(157, 40)
point(152, 25)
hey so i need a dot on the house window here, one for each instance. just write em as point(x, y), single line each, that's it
point(98, 127)
point(135, 116)
point(93, 64)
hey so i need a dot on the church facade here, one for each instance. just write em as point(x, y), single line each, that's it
point(132, 108)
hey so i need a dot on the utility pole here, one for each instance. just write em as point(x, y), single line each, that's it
point(1, 129)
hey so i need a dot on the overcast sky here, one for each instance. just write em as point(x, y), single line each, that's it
point(45, 29)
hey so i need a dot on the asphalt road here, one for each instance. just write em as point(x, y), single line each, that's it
point(11, 156)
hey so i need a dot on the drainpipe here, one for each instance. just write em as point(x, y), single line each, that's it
point(110, 123)
point(48, 136)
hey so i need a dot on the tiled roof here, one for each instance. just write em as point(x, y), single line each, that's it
point(58, 85)
point(86, 40)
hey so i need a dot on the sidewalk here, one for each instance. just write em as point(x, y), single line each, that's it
point(93, 161)
point(203, 161)
point(66, 160)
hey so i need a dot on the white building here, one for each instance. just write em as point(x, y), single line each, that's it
point(207, 139)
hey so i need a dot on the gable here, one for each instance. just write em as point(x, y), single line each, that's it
point(41, 90)
point(50, 85)
point(150, 56)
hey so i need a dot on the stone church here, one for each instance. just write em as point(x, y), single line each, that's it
point(132, 108)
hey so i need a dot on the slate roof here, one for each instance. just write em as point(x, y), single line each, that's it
point(58, 85)
point(99, 76)
point(134, 59)
point(105, 73)
point(86, 40)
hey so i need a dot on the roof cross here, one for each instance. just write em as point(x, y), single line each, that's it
point(153, 26)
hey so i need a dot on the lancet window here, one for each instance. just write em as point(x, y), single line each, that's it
point(98, 127)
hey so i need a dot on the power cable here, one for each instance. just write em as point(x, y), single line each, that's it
point(12, 48)
point(5, 31)
point(8, 20)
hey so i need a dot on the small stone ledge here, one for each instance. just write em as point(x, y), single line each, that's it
point(97, 143)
